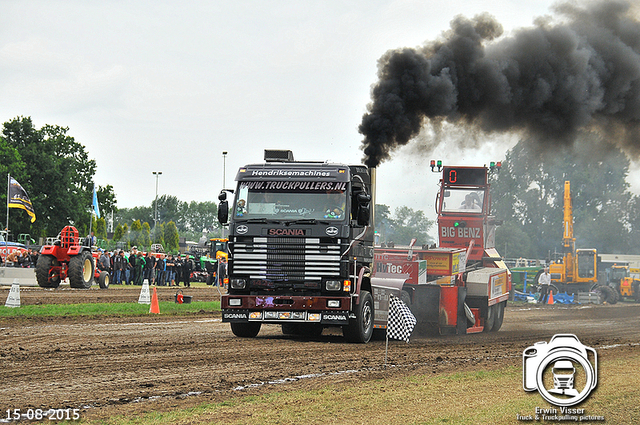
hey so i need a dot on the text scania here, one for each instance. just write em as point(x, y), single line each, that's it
point(286, 232)
point(295, 185)
point(461, 232)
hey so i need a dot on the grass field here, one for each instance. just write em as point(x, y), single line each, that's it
point(106, 309)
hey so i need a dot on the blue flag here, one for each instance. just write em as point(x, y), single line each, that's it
point(95, 203)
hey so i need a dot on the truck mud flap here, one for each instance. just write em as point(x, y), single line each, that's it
point(425, 305)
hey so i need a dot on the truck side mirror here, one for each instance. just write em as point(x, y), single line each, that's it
point(364, 211)
point(223, 211)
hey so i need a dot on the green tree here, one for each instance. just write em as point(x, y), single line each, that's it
point(101, 228)
point(146, 234)
point(171, 237)
point(169, 208)
point(136, 237)
point(57, 174)
point(118, 233)
point(125, 236)
point(528, 194)
point(106, 200)
point(158, 234)
point(129, 215)
point(405, 225)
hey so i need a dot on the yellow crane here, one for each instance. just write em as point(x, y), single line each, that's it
point(578, 271)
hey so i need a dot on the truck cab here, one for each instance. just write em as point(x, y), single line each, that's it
point(299, 247)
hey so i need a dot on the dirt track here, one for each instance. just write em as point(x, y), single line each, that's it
point(124, 365)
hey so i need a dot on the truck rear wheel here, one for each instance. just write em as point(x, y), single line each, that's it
point(103, 279)
point(360, 329)
point(43, 266)
point(81, 269)
point(246, 330)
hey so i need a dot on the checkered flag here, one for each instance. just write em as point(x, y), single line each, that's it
point(401, 320)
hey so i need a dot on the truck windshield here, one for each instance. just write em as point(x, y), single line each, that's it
point(305, 201)
point(463, 200)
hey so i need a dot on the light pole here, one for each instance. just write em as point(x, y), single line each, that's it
point(224, 169)
point(155, 214)
point(224, 183)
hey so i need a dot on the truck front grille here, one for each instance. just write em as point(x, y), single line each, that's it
point(286, 259)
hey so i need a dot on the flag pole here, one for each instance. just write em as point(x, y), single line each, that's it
point(8, 191)
point(386, 349)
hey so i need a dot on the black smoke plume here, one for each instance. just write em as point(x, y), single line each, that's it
point(578, 70)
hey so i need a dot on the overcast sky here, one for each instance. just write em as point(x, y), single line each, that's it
point(168, 86)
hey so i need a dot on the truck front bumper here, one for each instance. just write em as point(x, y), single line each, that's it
point(325, 310)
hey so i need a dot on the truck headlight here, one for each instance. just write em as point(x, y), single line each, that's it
point(333, 285)
point(237, 283)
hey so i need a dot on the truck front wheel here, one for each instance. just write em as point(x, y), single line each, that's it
point(246, 330)
point(360, 329)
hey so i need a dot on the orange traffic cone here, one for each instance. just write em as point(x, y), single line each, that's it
point(155, 308)
point(548, 302)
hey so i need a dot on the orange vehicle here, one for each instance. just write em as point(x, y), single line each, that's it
point(462, 286)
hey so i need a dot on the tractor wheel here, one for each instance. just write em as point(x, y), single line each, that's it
point(81, 270)
point(246, 330)
point(360, 329)
point(43, 266)
point(497, 324)
point(103, 280)
point(636, 292)
point(607, 294)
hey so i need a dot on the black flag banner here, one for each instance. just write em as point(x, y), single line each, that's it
point(401, 320)
point(18, 198)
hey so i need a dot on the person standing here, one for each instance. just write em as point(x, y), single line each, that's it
point(177, 267)
point(160, 268)
point(148, 268)
point(133, 261)
point(187, 268)
point(118, 267)
point(170, 273)
point(140, 264)
point(545, 284)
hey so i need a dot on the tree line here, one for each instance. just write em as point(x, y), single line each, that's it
point(528, 196)
point(57, 174)
point(527, 193)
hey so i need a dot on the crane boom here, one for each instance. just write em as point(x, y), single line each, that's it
point(568, 241)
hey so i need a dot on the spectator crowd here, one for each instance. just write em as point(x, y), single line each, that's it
point(130, 268)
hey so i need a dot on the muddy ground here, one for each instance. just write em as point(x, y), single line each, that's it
point(107, 366)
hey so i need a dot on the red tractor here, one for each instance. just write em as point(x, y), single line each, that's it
point(68, 258)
